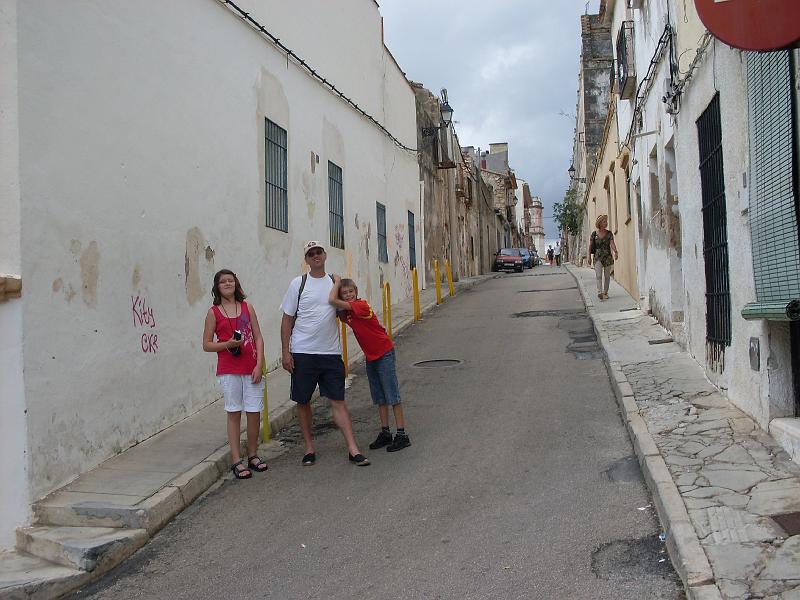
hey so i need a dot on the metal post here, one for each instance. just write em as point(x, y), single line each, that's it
point(438, 278)
point(415, 282)
point(344, 350)
point(449, 272)
point(388, 309)
point(265, 433)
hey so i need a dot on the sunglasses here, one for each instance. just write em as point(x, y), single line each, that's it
point(316, 252)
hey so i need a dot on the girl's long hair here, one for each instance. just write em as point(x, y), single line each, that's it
point(238, 292)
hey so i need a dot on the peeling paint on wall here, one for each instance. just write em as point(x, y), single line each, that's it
point(194, 247)
point(90, 274)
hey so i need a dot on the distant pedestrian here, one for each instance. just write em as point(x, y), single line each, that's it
point(312, 352)
point(240, 359)
point(557, 253)
point(379, 352)
point(550, 255)
point(604, 250)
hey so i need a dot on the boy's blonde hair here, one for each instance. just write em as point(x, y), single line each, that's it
point(347, 283)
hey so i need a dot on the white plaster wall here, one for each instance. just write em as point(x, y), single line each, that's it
point(721, 69)
point(142, 150)
point(14, 500)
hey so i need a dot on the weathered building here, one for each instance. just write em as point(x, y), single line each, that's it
point(596, 61)
point(130, 177)
point(495, 169)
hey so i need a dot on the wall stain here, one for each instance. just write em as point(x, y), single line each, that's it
point(136, 279)
point(75, 247)
point(70, 293)
point(57, 284)
point(90, 274)
point(210, 254)
point(194, 247)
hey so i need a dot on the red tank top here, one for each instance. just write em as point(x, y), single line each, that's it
point(245, 362)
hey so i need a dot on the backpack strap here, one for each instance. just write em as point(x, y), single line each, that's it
point(300, 291)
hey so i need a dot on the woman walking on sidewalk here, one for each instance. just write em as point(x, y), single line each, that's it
point(602, 246)
point(240, 359)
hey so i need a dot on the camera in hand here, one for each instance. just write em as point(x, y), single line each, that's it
point(237, 335)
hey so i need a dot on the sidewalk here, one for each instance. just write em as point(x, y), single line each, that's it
point(105, 515)
point(719, 483)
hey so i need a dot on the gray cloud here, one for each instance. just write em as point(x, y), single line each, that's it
point(509, 66)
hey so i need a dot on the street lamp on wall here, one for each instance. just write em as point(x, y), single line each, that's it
point(572, 177)
point(446, 114)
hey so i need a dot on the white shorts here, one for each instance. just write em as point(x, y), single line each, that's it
point(241, 394)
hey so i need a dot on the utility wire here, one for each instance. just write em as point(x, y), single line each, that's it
point(245, 16)
point(643, 89)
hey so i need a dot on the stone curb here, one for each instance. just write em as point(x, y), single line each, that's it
point(154, 512)
point(683, 545)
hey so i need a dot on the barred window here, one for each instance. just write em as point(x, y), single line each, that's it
point(412, 241)
point(336, 205)
point(383, 251)
point(275, 171)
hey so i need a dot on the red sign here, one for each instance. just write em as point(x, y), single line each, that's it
point(752, 24)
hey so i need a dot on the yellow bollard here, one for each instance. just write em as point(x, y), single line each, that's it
point(388, 316)
point(265, 433)
point(383, 299)
point(415, 282)
point(344, 350)
point(449, 272)
point(438, 277)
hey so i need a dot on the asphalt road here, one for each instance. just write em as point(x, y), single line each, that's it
point(520, 482)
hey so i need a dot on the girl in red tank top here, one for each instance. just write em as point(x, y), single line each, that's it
point(232, 331)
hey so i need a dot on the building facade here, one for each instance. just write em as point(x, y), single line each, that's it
point(132, 176)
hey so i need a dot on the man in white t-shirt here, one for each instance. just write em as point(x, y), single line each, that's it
point(312, 351)
point(557, 254)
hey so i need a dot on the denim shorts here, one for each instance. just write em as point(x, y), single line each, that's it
point(382, 376)
point(310, 370)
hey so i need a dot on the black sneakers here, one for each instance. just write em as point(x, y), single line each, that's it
point(400, 441)
point(384, 439)
point(359, 460)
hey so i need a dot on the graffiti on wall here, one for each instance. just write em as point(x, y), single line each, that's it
point(400, 261)
point(144, 318)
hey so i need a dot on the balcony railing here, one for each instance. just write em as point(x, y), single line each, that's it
point(626, 67)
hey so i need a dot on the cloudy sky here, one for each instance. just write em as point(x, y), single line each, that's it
point(510, 68)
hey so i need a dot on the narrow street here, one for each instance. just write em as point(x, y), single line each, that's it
point(520, 483)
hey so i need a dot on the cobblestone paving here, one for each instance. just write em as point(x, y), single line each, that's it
point(731, 474)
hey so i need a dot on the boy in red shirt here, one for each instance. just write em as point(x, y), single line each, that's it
point(379, 352)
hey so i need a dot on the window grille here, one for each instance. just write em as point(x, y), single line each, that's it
point(412, 241)
point(383, 251)
point(715, 228)
point(275, 175)
point(336, 205)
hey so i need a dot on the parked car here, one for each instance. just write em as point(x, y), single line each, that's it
point(536, 259)
point(527, 259)
point(508, 259)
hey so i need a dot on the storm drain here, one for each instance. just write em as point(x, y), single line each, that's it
point(437, 363)
point(547, 290)
point(564, 314)
point(790, 522)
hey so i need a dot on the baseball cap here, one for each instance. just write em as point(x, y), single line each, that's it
point(312, 244)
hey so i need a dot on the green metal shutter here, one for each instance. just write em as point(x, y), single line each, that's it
point(773, 216)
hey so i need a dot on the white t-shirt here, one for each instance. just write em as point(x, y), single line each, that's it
point(557, 251)
point(316, 330)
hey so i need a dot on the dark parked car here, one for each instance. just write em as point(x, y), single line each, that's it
point(527, 258)
point(509, 259)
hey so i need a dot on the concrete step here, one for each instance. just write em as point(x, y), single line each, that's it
point(85, 548)
point(786, 432)
point(24, 577)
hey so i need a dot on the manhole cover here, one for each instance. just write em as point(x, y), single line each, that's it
point(437, 362)
point(790, 523)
